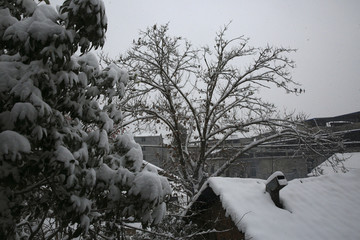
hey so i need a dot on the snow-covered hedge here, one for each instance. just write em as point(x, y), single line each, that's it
point(60, 173)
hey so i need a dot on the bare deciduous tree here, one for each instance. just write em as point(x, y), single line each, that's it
point(206, 95)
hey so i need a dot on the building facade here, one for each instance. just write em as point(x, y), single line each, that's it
point(262, 161)
point(154, 149)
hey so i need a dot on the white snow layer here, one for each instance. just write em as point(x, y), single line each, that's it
point(22, 111)
point(324, 207)
point(29, 5)
point(149, 186)
point(282, 182)
point(41, 26)
point(89, 59)
point(134, 156)
point(6, 20)
point(13, 143)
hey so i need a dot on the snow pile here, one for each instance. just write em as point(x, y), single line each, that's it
point(325, 207)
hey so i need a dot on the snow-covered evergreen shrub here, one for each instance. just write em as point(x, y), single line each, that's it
point(60, 173)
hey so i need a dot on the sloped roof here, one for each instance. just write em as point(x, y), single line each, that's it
point(321, 121)
point(324, 207)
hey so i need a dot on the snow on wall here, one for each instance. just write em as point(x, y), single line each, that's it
point(324, 207)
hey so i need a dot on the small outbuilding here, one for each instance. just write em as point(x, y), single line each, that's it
point(323, 208)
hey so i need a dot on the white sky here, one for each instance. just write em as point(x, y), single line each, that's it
point(325, 32)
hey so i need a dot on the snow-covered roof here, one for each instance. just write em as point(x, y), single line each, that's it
point(324, 207)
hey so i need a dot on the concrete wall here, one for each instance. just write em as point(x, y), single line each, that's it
point(263, 166)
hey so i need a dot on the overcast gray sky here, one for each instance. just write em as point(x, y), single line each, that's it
point(325, 32)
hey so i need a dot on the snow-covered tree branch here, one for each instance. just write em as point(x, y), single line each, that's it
point(208, 94)
point(60, 173)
